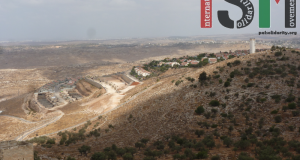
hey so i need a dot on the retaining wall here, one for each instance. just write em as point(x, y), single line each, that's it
point(93, 83)
point(126, 79)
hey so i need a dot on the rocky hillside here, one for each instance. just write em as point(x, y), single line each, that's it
point(243, 108)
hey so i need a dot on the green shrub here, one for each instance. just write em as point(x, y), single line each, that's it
point(277, 54)
point(200, 110)
point(202, 76)
point(290, 98)
point(274, 111)
point(178, 82)
point(99, 156)
point(217, 76)
point(51, 141)
point(39, 140)
point(277, 119)
point(226, 84)
point(224, 115)
point(296, 113)
point(232, 75)
point(217, 157)
point(214, 103)
point(292, 106)
point(250, 84)
point(220, 81)
point(214, 126)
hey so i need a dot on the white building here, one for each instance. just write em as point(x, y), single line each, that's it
point(212, 60)
point(252, 45)
point(172, 64)
point(141, 71)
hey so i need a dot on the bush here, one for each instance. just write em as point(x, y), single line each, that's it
point(244, 156)
point(277, 98)
point(84, 149)
point(290, 98)
point(127, 156)
point(217, 76)
point(278, 54)
point(274, 111)
point(200, 110)
point(190, 79)
point(277, 119)
point(236, 62)
point(202, 154)
point(232, 75)
point(220, 81)
point(250, 84)
point(214, 126)
point(292, 106)
point(202, 76)
point(296, 113)
point(99, 156)
point(214, 103)
point(226, 84)
point(224, 115)
point(178, 82)
point(217, 157)
point(51, 141)
point(39, 140)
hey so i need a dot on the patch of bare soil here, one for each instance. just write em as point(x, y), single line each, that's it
point(85, 88)
point(13, 107)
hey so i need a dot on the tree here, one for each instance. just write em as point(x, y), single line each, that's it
point(205, 124)
point(199, 133)
point(227, 84)
point(71, 158)
point(139, 145)
point(277, 119)
point(209, 142)
point(214, 111)
point(144, 140)
point(244, 156)
point(84, 149)
point(120, 151)
point(284, 108)
point(230, 129)
point(202, 154)
point(98, 156)
point(130, 150)
point(202, 76)
point(227, 141)
point(177, 148)
point(171, 144)
point(217, 157)
point(267, 153)
point(111, 155)
point(273, 48)
point(242, 144)
point(35, 155)
point(214, 103)
point(127, 156)
point(278, 54)
point(200, 110)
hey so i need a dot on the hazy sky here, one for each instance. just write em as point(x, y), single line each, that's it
point(105, 19)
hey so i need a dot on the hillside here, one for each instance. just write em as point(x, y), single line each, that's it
point(248, 104)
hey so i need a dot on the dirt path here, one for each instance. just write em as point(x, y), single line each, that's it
point(21, 119)
point(23, 136)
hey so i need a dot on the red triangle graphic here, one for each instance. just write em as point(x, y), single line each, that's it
point(277, 1)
